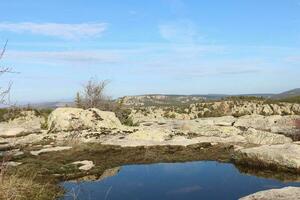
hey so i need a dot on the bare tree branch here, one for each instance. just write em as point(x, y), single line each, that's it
point(3, 50)
point(4, 93)
point(93, 95)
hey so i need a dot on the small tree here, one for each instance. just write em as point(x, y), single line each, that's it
point(93, 95)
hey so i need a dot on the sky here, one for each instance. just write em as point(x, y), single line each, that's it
point(143, 47)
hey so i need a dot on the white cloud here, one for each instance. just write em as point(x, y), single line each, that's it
point(64, 31)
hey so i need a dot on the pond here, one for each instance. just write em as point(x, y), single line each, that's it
point(191, 180)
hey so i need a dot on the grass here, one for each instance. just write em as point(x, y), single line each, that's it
point(27, 181)
point(11, 113)
point(23, 187)
point(24, 184)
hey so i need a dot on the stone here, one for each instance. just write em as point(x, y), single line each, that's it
point(109, 173)
point(275, 124)
point(286, 156)
point(262, 137)
point(286, 193)
point(73, 119)
point(153, 134)
point(85, 165)
point(12, 164)
point(26, 123)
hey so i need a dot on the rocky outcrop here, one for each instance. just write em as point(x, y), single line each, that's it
point(276, 124)
point(254, 136)
point(214, 109)
point(287, 193)
point(281, 156)
point(26, 123)
point(71, 119)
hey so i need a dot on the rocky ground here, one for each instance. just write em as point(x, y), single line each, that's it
point(292, 193)
point(68, 143)
point(214, 109)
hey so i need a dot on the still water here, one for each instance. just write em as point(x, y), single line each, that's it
point(205, 180)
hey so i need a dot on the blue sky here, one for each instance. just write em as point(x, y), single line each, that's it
point(158, 46)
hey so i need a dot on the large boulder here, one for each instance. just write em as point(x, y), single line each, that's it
point(281, 156)
point(287, 193)
point(73, 119)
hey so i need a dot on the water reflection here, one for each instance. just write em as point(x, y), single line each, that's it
point(191, 180)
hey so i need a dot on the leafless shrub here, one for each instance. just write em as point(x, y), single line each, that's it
point(4, 92)
point(93, 95)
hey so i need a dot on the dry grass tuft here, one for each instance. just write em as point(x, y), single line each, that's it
point(20, 186)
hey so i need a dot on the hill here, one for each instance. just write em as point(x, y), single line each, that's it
point(287, 94)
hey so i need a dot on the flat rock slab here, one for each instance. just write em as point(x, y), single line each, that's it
point(51, 149)
point(287, 193)
point(85, 164)
point(12, 164)
point(281, 155)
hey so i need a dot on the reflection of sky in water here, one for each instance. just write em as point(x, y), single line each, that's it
point(192, 180)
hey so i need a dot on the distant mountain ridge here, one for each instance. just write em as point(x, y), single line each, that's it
point(163, 99)
point(287, 94)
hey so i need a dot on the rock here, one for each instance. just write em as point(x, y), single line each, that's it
point(26, 123)
point(262, 137)
point(153, 134)
point(256, 121)
point(12, 164)
point(266, 110)
point(285, 156)
point(275, 124)
point(219, 121)
point(26, 139)
point(85, 164)
point(214, 131)
point(51, 149)
point(109, 173)
point(286, 193)
point(72, 119)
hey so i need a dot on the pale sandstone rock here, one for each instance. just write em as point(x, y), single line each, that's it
point(274, 123)
point(282, 155)
point(85, 165)
point(153, 134)
point(24, 140)
point(286, 193)
point(69, 119)
point(26, 123)
point(262, 137)
point(216, 131)
point(219, 121)
point(51, 149)
point(256, 121)
point(12, 164)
